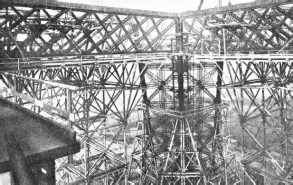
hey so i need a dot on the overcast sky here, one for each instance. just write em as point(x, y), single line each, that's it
point(158, 5)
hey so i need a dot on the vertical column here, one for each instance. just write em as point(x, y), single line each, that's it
point(16, 87)
point(180, 64)
point(218, 99)
point(125, 151)
point(182, 149)
point(86, 156)
point(263, 75)
point(69, 110)
point(146, 124)
point(42, 172)
point(87, 168)
point(21, 171)
point(224, 41)
point(123, 88)
point(180, 72)
point(216, 145)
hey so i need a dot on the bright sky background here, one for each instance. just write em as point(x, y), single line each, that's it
point(158, 5)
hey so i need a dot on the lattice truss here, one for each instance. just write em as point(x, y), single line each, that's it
point(98, 98)
point(32, 30)
point(265, 118)
point(199, 77)
point(262, 28)
point(188, 144)
point(259, 90)
point(85, 93)
point(123, 106)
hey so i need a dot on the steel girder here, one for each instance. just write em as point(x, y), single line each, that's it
point(188, 142)
point(98, 99)
point(68, 29)
point(259, 90)
point(63, 29)
point(32, 30)
point(254, 28)
point(257, 86)
point(82, 91)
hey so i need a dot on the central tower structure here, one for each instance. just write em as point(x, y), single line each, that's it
point(195, 151)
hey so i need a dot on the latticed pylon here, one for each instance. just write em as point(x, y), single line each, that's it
point(142, 167)
point(182, 165)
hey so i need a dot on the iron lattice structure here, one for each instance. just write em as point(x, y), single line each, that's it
point(148, 92)
point(54, 29)
point(256, 27)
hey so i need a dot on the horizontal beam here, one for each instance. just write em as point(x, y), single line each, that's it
point(233, 8)
point(42, 105)
point(125, 11)
point(54, 84)
point(55, 4)
point(72, 61)
point(245, 57)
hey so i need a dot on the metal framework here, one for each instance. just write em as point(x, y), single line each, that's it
point(149, 92)
point(248, 27)
point(259, 90)
point(86, 96)
point(54, 29)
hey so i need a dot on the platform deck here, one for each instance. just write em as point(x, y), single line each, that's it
point(40, 138)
